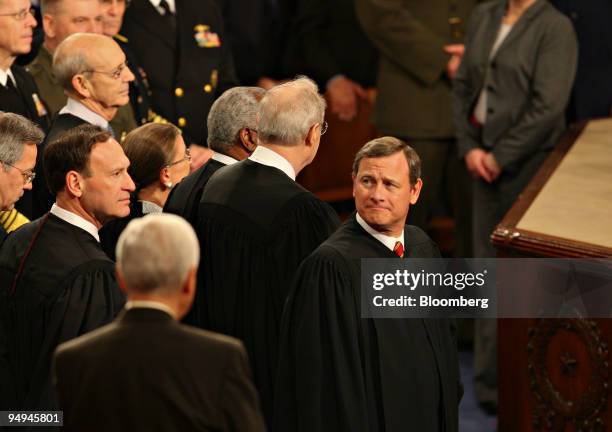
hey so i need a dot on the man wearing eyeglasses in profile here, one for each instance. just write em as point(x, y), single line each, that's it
point(60, 19)
point(91, 68)
point(18, 139)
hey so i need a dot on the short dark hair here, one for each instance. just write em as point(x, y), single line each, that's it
point(386, 146)
point(70, 151)
point(149, 148)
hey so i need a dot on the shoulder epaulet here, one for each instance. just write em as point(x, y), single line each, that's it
point(121, 38)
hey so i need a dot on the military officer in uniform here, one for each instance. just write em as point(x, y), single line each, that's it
point(140, 91)
point(420, 46)
point(190, 65)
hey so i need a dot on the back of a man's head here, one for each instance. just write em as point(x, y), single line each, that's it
point(156, 254)
point(288, 111)
point(71, 152)
point(234, 110)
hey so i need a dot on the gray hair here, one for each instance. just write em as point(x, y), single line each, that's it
point(288, 111)
point(66, 65)
point(386, 146)
point(234, 110)
point(156, 252)
point(15, 132)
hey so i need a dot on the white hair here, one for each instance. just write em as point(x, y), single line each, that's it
point(156, 253)
point(288, 111)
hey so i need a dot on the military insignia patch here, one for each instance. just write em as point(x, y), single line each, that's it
point(205, 38)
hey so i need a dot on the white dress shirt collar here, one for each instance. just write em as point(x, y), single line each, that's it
point(76, 220)
point(79, 110)
point(388, 241)
point(149, 304)
point(224, 159)
point(5, 75)
point(171, 5)
point(265, 156)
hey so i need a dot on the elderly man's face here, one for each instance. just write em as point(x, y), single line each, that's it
point(112, 11)
point(106, 192)
point(15, 31)
point(110, 79)
point(73, 16)
point(13, 179)
point(383, 192)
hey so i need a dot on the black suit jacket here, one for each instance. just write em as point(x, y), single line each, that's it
point(185, 76)
point(42, 199)
point(37, 112)
point(329, 37)
point(145, 371)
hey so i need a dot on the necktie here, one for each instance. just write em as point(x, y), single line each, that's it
point(168, 15)
point(10, 85)
point(398, 249)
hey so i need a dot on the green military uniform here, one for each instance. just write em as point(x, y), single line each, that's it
point(53, 94)
point(414, 94)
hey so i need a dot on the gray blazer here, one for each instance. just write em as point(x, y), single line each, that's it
point(528, 82)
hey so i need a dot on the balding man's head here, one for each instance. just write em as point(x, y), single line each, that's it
point(157, 259)
point(289, 111)
point(62, 18)
point(92, 67)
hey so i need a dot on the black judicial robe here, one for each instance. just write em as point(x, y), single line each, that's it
point(339, 372)
point(256, 226)
point(184, 198)
point(67, 288)
point(110, 232)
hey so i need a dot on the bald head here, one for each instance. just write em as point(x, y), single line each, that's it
point(288, 111)
point(80, 53)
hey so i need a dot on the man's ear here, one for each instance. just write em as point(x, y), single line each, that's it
point(74, 183)
point(416, 191)
point(81, 85)
point(313, 136)
point(248, 139)
point(48, 25)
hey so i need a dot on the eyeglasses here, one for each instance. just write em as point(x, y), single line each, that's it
point(28, 175)
point(187, 158)
point(116, 74)
point(324, 126)
point(21, 15)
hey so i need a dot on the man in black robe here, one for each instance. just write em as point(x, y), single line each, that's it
point(232, 134)
point(340, 372)
point(56, 282)
point(257, 224)
point(193, 380)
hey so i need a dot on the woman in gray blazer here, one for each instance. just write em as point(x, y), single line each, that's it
point(510, 95)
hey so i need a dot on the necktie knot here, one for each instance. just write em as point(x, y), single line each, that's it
point(398, 249)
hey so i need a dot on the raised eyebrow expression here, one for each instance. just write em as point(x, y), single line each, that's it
point(369, 178)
